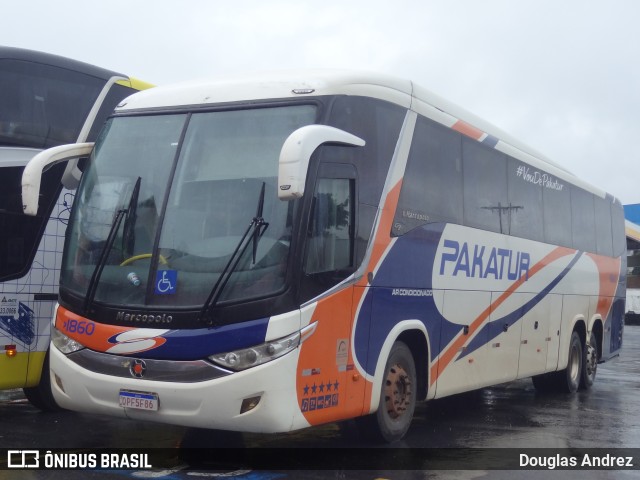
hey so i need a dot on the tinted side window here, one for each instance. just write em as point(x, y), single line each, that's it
point(604, 238)
point(432, 185)
point(525, 201)
point(329, 250)
point(379, 124)
point(557, 212)
point(22, 233)
point(618, 227)
point(583, 225)
point(486, 205)
point(330, 234)
point(43, 106)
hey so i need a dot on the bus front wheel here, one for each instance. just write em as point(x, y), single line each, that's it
point(397, 397)
point(41, 396)
point(590, 364)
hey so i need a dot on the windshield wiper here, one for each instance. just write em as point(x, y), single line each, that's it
point(258, 222)
point(128, 233)
point(254, 232)
point(111, 237)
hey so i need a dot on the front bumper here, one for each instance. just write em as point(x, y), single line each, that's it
point(213, 403)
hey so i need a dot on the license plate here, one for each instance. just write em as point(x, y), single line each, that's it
point(139, 400)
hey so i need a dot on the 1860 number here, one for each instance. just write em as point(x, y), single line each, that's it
point(81, 327)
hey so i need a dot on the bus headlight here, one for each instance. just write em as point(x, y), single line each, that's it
point(257, 355)
point(64, 343)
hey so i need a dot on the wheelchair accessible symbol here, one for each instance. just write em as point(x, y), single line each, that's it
point(166, 282)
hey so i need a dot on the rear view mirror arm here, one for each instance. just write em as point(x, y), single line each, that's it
point(32, 175)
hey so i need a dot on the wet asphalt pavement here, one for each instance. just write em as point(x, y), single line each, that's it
point(511, 416)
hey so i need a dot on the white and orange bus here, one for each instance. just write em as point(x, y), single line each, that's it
point(270, 253)
point(45, 100)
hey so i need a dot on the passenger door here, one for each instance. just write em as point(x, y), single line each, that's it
point(325, 391)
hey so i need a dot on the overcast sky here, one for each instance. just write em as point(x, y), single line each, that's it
point(563, 76)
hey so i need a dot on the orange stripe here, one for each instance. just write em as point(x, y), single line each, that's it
point(609, 275)
point(447, 357)
point(96, 338)
point(468, 130)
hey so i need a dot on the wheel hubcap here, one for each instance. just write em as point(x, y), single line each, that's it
point(397, 391)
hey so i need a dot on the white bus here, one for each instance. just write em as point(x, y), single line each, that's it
point(45, 100)
point(269, 253)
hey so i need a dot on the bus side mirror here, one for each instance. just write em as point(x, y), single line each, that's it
point(32, 174)
point(296, 153)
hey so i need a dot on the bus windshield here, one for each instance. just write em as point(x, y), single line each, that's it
point(166, 199)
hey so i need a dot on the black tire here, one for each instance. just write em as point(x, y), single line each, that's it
point(41, 396)
point(397, 398)
point(569, 378)
point(590, 363)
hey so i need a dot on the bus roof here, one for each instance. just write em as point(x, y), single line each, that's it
point(300, 83)
point(13, 53)
point(275, 85)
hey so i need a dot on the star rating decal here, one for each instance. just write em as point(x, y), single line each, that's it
point(320, 396)
point(327, 386)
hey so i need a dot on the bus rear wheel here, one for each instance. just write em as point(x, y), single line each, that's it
point(569, 379)
point(397, 397)
point(590, 364)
